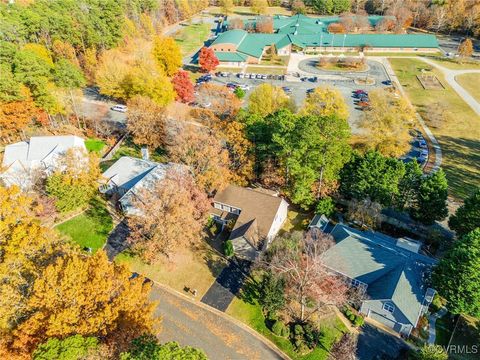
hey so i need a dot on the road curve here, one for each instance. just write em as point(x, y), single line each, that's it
point(188, 323)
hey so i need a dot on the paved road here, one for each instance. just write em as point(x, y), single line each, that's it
point(450, 78)
point(226, 286)
point(374, 344)
point(220, 338)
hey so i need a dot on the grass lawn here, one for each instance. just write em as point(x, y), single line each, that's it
point(338, 67)
point(278, 60)
point(94, 145)
point(458, 134)
point(266, 70)
point(251, 314)
point(467, 334)
point(470, 83)
point(89, 229)
point(399, 54)
point(455, 65)
point(444, 327)
point(296, 221)
point(187, 268)
point(191, 37)
point(247, 11)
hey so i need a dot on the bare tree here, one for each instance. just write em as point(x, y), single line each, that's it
point(309, 284)
point(365, 212)
point(345, 348)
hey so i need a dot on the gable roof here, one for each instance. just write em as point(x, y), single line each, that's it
point(391, 272)
point(134, 176)
point(231, 37)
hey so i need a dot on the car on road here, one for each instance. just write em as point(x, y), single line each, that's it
point(422, 144)
point(264, 77)
point(387, 82)
point(119, 108)
point(240, 75)
point(287, 90)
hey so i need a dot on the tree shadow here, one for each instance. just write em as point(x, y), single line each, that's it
point(250, 291)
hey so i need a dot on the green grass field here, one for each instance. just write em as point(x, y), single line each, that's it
point(250, 313)
point(94, 145)
point(458, 134)
point(191, 37)
point(470, 83)
point(455, 64)
point(89, 229)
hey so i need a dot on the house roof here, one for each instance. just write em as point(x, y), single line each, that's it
point(40, 148)
point(257, 211)
point(230, 37)
point(134, 176)
point(391, 272)
point(230, 56)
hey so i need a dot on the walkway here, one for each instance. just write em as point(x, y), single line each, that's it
point(450, 78)
point(432, 321)
point(220, 336)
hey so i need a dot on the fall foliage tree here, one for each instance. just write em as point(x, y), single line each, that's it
point(172, 216)
point(207, 59)
point(235, 23)
point(345, 348)
point(466, 48)
point(203, 153)
point(167, 54)
point(309, 286)
point(226, 6)
point(325, 101)
point(264, 25)
point(224, 103)
point(146, 122)
point(388, 122)
point(74, 182)
point(183, 87)
point(69, 298)
point(266, 99)
point(259, 6)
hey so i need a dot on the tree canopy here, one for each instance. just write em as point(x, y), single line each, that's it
point(467, 216)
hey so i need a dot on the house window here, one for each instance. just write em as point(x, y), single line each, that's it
point(236, 211)
point(389, 307)
point(227, 208)
point(356, 283)
point(217, 206)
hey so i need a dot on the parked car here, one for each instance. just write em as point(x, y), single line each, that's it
point(422, 144)
point(253, 76)
point(287, 90)
point(309, 91)
point(244, 87)
point(387, 82)
point(231, 85)
point(240, 75)
point(358, 92)
point(206, 105)
point(264, 77)
point(119, 108)
point(424, 153)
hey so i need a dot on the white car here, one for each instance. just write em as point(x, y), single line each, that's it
point(240, 75)
point(119, 108)
point(264, 77)
point(252, 76)
point(207, 105)
point(244, 87)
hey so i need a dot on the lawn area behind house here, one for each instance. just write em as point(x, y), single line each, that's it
point(466, 336)
point(90, 228)
point(187, 268)
point(95, 145)
point(251, 314)
point(247, 11)
point(458, 131)
point(191, 37)
point(470, 82)
point(296, 221)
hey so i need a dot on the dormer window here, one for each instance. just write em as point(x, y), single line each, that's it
point(389, 307)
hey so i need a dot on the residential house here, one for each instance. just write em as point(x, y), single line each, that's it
point(310, 34)
point(129, 177)
point(26, 161)
point(391, 271)
point(257, 214)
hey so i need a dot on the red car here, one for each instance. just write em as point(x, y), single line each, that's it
point(358, 92)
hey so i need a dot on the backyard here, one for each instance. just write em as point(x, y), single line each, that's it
point(470, 83)
point(95, 145)
point(457, 129)
point(191, 37)
point(90, 228)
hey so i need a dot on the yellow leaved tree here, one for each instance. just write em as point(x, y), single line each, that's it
point(325, 101)
point(167, 54)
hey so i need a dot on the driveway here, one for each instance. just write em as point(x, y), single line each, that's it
point(374, 344)
point(226, 286)
point(190, 324)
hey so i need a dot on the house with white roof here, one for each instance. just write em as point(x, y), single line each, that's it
point(129, 177)
point(25, 161)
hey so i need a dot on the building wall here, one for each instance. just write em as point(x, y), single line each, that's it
point(231, 64)
point(396, 320)
point(371, 49)
point(280, 218)
point(285, 50)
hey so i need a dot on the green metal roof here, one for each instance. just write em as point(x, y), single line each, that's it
point(230, 37)
point(253, 44)
point(230, 56)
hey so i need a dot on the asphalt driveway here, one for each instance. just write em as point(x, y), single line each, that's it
point(193, 325)
point(376, 344)
point(226, 286)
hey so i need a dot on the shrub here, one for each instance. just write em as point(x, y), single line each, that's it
point(239, 93)
point(325, 206)
point(359, 321)
point(228, 248)
point(298, 330)
point(280, 329)
point(352, 317)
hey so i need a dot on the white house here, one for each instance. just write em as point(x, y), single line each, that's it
point(258, 214)
point(23, 162)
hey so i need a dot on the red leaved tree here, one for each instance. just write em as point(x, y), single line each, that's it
point(183, 86)
point(207, 60)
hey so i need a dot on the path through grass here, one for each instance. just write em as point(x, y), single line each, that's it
point(191, 37)
point(459, 131)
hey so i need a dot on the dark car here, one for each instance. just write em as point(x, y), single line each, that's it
point(136, 275)
point(387, 82)
point(287, 89)
point(232, 86)
point(309, 91)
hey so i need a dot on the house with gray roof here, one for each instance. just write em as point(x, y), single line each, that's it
point(128, 178)
point(257, 215)
point(391, 271)
point(25, 161)
point(310, 34)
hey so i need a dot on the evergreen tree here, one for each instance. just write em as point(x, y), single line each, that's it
point(467, 216)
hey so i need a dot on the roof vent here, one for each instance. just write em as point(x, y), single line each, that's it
point(409, 244)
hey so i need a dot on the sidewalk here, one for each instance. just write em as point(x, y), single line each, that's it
point(432, 320)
